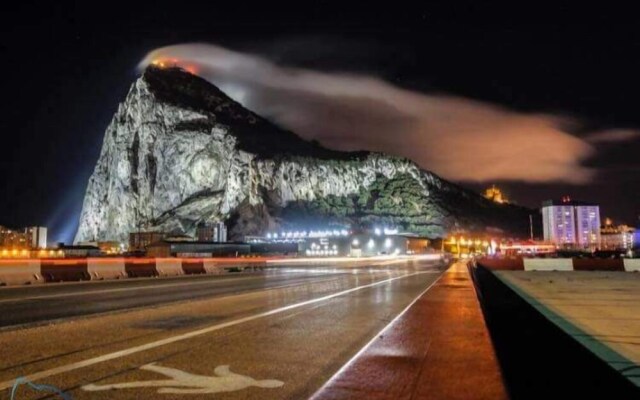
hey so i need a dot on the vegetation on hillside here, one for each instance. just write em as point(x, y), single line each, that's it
point(399, 202)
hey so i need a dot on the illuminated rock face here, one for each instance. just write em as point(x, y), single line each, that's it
point(179, 151)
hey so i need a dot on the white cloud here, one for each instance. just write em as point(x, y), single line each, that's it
point(455, 137)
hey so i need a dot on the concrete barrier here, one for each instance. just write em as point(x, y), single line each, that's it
point(598, 264)
point(106, 268)
point(193, 267)
point(20, 272)
point(137, 268)
point(69, 270)
point(509, 264)
point(548, 264)
point(632, 264)
point(212, 267)
point(169, 266)
point(562, 264)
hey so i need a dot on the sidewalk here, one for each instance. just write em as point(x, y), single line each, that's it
point(438, 349)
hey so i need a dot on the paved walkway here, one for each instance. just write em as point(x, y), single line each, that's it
point(438, 349)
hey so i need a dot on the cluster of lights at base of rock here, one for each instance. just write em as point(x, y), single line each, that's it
point(371, 244)
point(319, 250)
point(312, 234)
point(301, 235)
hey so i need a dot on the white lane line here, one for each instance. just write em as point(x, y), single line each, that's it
point(156, 286)
point(373, 339)
point(148, 346)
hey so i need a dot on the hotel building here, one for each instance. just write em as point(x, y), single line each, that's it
point(571, 224)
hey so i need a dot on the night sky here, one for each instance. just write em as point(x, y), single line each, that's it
point(66, 67)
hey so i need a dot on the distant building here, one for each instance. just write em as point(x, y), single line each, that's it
point(495, 194)
point(364, 245)
point(139, 241)
point(526, 247)
point(177, 235)
point(37, 236)
point(79, 251)
point(211, 232)
point(11, 238)
point(31, 238)
point(619, 237)
point(571, 224)
point(170, 248)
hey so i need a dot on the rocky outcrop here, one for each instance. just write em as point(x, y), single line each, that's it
point(179, 151)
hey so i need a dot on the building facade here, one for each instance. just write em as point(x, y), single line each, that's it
point(211, 232)
point(37, 236)
point(11, 238)
point(619, 237)
point(170, 248)
point(79, 251)
point(31, 238)
point(364, 245)
point(139, 241)
point(571, 224)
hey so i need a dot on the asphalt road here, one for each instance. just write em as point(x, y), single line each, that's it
point(282, 333)
point(37, 304)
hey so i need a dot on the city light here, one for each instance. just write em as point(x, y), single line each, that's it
point(299, 235)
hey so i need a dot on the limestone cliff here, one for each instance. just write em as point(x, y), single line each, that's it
point(179, 151)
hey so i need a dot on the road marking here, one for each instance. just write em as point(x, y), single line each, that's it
point(162, 342)
point(182, 382)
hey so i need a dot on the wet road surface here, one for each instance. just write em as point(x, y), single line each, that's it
point(278, 334)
